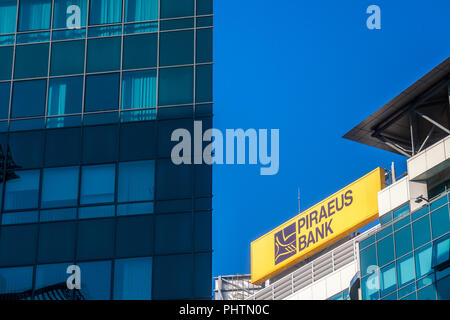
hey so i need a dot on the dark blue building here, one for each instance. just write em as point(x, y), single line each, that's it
point(90, 92)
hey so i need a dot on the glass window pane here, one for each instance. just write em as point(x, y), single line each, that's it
point(65, 96)
point(203, 275)
point(204, 80)
point(69, 14)
point(204, 45)
point(134, 236)
point(204, 7)
point(176, 86)
point(62, 147)
point(401, 211)
point(139, 89)
point(136, 181)
point(34, 14)
point(403, 241)
point(105, 11)
point(102, 92)
point(385, 250)
point(29, 98)
point(59, 187)
point(423, 261)
point(443, 289)
point(16, 280)
point(176, 48)
point(6, 56)
point(177, 8)
point(141, 10)
point(67, 58)
point(98, 184)
point(405, 270)
point(140, 51)
point(440, 222)
point(173, 233)
point(133, 279)
point(441, 251)
point(5, 89)
point(100, 144)
point(173, 277)
point(174, 182)
point(31, 61)
point(56, 242)
point(49, 275)
point(388, 280)
point(428, 293)
point(95, 239)
point(18, 245)
point(22, 191)
point(26, 149)
point(103, 54)
point(8, 13)
point(96, 280)
point(422, 231)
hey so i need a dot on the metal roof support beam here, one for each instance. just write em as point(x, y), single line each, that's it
point(394, 146)
point(426, 139)
point(437, 124)
point(411, 130)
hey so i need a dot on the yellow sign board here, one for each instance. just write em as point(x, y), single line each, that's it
point(311, 231)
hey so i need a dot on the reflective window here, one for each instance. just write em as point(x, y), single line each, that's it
point(177, 8)
point(423, 261)
point(22, 191)
point(405, 270)
point(440, 222)
point(8, 12)
point(95, 239)
point(173, 181)
point(139, 89)
point(102, 92)
point(4, 99)
point(176, 48)
point(203, 235)
point(26, 148)
point(29, 98)
point(34, 15)
point(98, 184)
point(140, 51)
point(96, 280)
point(204, 45)
point(428, 293)
point(56, 242)
point(49, 275)
point(103, 54)
point(173, 233)
point(59, 187)
point(67, 58)
point(105, 11)
point(441, 254)
point(134, 236)
point(176, 86)
point(31, 61)
point(133, 279)
point(136, 181)
point(6, 56)
point(204, 7)
point(403, 241)
point(62, 147)
point(15, 280)
point(69, 14)
point(385, 249)
point(422, 231)
point(204, 83)
point(401, 211)
point(173, 277)
point(141, 10)
point(13, 252)
point(368, 257)
point(65, 96)
point(443, 289)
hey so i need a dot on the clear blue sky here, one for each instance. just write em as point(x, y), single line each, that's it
point(313, 70)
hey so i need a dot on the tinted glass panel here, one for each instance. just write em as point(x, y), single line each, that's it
point(95, 239)
point(204, 45)
point(177, 48)
point(18, 245)
point(204, 7)
point(29, 98)
point(5, 89)
point(405, 270)
point(422, 231)
point(105, 11)
point(98, 184)
point(102, 92)
point(204, 84)
point(8, 13)
point(403, 241)
point(173, 233)
point(100, 144)
point(22, 191)
point(141, 10)
point(173, 277)
point(103, 54)
point(133, 279)
point(134, 236)
point(388, 279)
point(96, 280)
point(56, 242)
point(368, 257)
point(136, 181)
point(177, 8)
point(140, 51)
point(139, 89)
point(423, 260)
point(50, 275)
point(34, 14)
point(65, 96)
point(67, 58)
point(31, 61)
point(440, 222)
point(6, 56)
point(60, 187)
point(176, 86)
point(66, 13)
point(14, 280)
point(385, 251)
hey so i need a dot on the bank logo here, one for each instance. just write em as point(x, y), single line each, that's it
point(285, 243)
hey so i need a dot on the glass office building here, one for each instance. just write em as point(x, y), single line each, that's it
point(408, 258)
point(90, 92)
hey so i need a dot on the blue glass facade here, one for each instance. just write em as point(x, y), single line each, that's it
point(409, 257)
point(90, 92)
